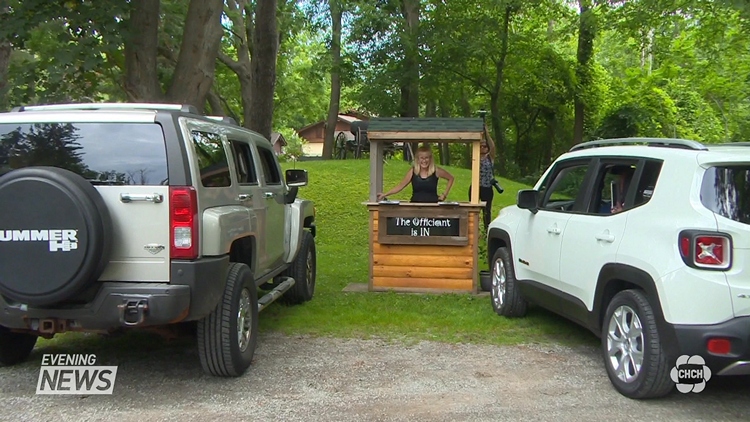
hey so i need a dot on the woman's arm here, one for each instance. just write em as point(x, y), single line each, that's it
point(405, 182)
point(449, 177)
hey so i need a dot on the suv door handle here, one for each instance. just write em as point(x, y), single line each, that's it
point(244, 197)
point(554, 230)
point(605, 237)
point(156, 198)
point(270, 194)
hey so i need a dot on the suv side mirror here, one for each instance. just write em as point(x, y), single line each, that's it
point(296, 177)
point(528, 199)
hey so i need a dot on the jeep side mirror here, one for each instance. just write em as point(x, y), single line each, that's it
point(296, 177)
point(528, 199)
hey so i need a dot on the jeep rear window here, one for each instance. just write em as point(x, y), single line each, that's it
point(102, 153)
point(726, 191)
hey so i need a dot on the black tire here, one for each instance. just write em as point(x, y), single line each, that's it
point(303, 272)
point(219, 347)
point(61, 235)
point(653, 380)
point(15, 347)
point(506, 299)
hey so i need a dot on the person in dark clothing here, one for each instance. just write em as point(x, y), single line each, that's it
point(486, 177)
point(423, 176)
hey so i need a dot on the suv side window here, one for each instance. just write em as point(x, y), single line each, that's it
point(270, 168)
point(243, 160)
point(561, 190)
point(726, 191)
point(613, 189)
point(212, 159)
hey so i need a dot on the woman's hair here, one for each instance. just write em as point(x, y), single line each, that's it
point(490, 143)
point(427, 150)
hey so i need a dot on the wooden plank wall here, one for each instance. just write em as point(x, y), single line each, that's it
point(423, 268)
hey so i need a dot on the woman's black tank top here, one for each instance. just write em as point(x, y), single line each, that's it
point(424, 190)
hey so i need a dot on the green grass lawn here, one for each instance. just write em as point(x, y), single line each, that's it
point(338, 188)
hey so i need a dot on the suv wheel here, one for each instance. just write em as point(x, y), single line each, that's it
point(227, 337)
point(635, 360)
point(303, 272)
point(15, 347)
point(506, 299)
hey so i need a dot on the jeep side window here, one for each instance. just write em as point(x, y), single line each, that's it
point(564, 188)
point(243, 160)
point(725, 190)
point(270, 169)
point(212, 159)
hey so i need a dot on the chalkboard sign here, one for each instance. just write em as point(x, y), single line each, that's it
point(422, 226)
point(429, 226)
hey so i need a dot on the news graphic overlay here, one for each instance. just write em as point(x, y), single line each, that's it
point(690, 373)
point(74, 374)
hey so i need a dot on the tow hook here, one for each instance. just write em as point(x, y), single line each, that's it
point(133, 311)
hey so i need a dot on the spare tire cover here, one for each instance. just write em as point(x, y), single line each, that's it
point(55, 235)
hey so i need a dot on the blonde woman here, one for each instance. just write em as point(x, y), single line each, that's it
point(423, 176)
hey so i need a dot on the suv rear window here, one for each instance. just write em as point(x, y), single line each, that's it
point(103, 153)
point(726, 191)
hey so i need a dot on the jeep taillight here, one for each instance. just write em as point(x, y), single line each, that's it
point(183, 215)
point(706, 250)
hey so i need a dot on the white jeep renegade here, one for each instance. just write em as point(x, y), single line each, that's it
point(645, 242)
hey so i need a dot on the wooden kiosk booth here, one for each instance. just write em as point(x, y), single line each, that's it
point(417, 247)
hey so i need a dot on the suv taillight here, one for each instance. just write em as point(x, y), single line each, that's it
point(706, 250)
point(183, 224)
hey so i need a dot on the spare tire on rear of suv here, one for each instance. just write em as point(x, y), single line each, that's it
point(55, 235)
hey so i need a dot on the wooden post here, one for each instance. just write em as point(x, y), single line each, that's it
point(475, 172)
point(376, 170)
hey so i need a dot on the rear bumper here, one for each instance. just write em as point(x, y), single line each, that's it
point(195, 289)
point(693, 340)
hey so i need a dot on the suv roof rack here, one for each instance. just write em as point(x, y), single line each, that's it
point(185, 108)
point(654, 142)
point(225, 119)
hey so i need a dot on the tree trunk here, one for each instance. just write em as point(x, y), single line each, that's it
point(495, 96)
point(263, 83)
point(241, 15)
point(586, 35)
point(333, 106)
point(5, 50)
point(444, 146)
point(141, 48)
point(410, 43)
point(194, 73)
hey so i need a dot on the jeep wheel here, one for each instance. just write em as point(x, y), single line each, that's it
point(506, 299)
point(15, 347)
point(303, 272)
point(227, 337)
point(635, 359)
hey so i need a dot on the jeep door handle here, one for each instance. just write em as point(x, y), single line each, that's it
point(605, 237)
point(554, 230)
point(270, 194)
point(244, 197)
point(156, 198)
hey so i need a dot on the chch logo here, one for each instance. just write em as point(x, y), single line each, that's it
point(690, 373)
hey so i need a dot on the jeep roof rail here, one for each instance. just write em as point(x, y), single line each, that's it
point(185, 108)
point(225, 119)
point(731, 144)
point(657, 142)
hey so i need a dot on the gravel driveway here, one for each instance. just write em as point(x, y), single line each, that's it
point(324, 379)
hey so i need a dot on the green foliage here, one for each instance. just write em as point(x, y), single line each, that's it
point(295, 147)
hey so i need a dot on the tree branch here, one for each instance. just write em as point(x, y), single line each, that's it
point(234, 65)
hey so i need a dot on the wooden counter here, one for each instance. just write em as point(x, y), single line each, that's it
point(424, 247)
